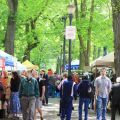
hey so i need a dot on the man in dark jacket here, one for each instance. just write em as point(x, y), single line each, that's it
point(115, 98)
point(28, 92)
point(67, 98)
point(84, 98)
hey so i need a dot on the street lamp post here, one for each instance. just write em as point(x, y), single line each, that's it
point(71, 10)
point(64, 42)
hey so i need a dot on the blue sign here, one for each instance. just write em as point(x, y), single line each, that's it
point(73, 67)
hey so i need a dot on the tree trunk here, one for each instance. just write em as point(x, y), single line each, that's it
point(81, 45)
point(27, 53)
point(83, 8)
point(99, 52)
point(11, 27)
point(86, 49)
point(116, 29)
point(82, 60)
point(104, 50)
point(31, 45)
point(89, 34)
point(94, 52)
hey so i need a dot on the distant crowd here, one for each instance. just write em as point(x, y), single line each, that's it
point(29, 90)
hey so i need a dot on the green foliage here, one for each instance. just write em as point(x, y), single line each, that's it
point(50, 28)
point(3, 21)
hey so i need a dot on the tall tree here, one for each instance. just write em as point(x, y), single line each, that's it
point(11, 26)
point(31, 45)
point(116, 29)
point(31, 23)
point(49, 29)
point(81, 16)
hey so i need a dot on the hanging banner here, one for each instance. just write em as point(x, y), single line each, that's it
point(70, 33)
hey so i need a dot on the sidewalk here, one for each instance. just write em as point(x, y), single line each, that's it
point(50, 112)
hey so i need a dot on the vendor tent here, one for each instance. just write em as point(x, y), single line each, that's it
point(2, 63)
point(107, 60)
point(20, 66)
point(96, 62)
point(9, 59)
point(29, 65)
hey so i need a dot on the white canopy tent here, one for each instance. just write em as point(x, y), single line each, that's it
point(20, 66)
point(96, 62)
point(107, 60)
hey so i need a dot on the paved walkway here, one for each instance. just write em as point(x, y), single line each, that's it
point(50, 112)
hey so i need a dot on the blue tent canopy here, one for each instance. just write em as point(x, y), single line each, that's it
point(9, 59)
point(74, 65)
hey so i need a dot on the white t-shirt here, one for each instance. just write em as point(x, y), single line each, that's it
point(103, 84)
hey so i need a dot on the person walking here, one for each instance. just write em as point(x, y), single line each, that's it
point(67, 98)
point(29, 92)
point(14, 99)
point(102, 89)
point(115, 98)
point(60, 89)
point(41, 91)
point(52, 81)
point(44, 77)
point(84, 89)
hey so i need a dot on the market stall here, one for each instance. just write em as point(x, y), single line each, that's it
point(2, 95)
point(20, 66)
point(9, 59)
point(29, 65)
point(107, 61)
point(2, 63)
point(6, 64)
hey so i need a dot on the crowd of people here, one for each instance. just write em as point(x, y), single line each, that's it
point(29, 90)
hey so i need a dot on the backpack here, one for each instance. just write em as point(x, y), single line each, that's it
point(90, 91)
point(85, 90)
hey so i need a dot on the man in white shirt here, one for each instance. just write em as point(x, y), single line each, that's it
point(102, 88)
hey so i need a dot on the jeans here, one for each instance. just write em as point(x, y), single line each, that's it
point(66, 108)
point(51, 90)
point(101, 108)
point(86, 102)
